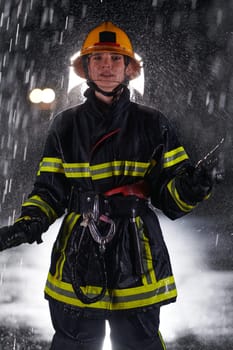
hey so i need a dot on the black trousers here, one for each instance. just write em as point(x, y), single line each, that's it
point(134, 331)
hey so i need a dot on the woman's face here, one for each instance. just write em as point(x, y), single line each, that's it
point(107, 70)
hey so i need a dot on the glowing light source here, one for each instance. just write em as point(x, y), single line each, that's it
point(35, 96)
point(46, 95)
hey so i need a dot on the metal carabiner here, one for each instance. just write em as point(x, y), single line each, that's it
point(96, 208)
point(98, 238)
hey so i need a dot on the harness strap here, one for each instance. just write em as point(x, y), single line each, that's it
point(75, 278)
point(92, 207)
point(139, 189)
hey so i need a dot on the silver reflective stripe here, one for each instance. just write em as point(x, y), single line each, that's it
point(174, 156)
point(114, 299)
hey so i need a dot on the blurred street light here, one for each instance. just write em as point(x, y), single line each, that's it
point(44, 98)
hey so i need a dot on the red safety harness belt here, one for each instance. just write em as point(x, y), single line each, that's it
point(139, 189)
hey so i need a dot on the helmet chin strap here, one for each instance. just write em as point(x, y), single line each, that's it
point(112, 93)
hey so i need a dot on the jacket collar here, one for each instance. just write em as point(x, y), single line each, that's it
point(112, 111)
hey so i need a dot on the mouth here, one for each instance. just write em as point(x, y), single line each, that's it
point(106, 75)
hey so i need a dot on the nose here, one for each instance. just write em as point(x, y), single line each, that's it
point(106, 61)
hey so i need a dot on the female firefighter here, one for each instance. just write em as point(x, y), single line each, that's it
point(107, 164)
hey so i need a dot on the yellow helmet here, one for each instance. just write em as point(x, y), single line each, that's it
point(107, 37)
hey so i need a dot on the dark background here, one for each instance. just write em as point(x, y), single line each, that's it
point(187, 49)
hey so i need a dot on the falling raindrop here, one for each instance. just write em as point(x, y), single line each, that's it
point(31, 4)
point(10, 46)
point(207, 98)
point(1, 19)
point(8, 24)
point(61, 38)
point(27, 76)
point(5, 167)
point(67, 22)
point(10, 185)
point(51, 15)
point(4, 60)
point(25, 152)
point(19, 10)
point(17, 34)
point(15, 149)
point(189, 97)
point(211, 106)
point(1, 277)
point(219, 16)
point(222, 101)
point(26, 42)
point(84, 10)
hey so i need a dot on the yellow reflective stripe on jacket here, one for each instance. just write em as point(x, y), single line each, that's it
point(71, 220)
point(77, 170)
point(174, 156)
point(149, 276)
point(36, 201)
point(104, 170)
point(149, 270)
point(126, 168)
point(175, 195)
point(97, 171)
point(51, 164)
point(116, 299)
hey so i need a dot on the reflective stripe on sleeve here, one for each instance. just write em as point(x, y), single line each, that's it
point(50, 164)
point(175, 195)
point(36, 201)
point(174, 157)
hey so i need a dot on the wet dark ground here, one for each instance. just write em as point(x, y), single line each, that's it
point(20, 339)
point(24, 339)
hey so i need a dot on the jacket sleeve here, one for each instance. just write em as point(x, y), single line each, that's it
point(170, 161)
point(48, 198)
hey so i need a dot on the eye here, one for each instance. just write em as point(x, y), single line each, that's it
point(116, 57)
point(96, 57)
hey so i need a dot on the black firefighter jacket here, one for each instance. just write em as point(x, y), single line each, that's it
point(93, 148)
